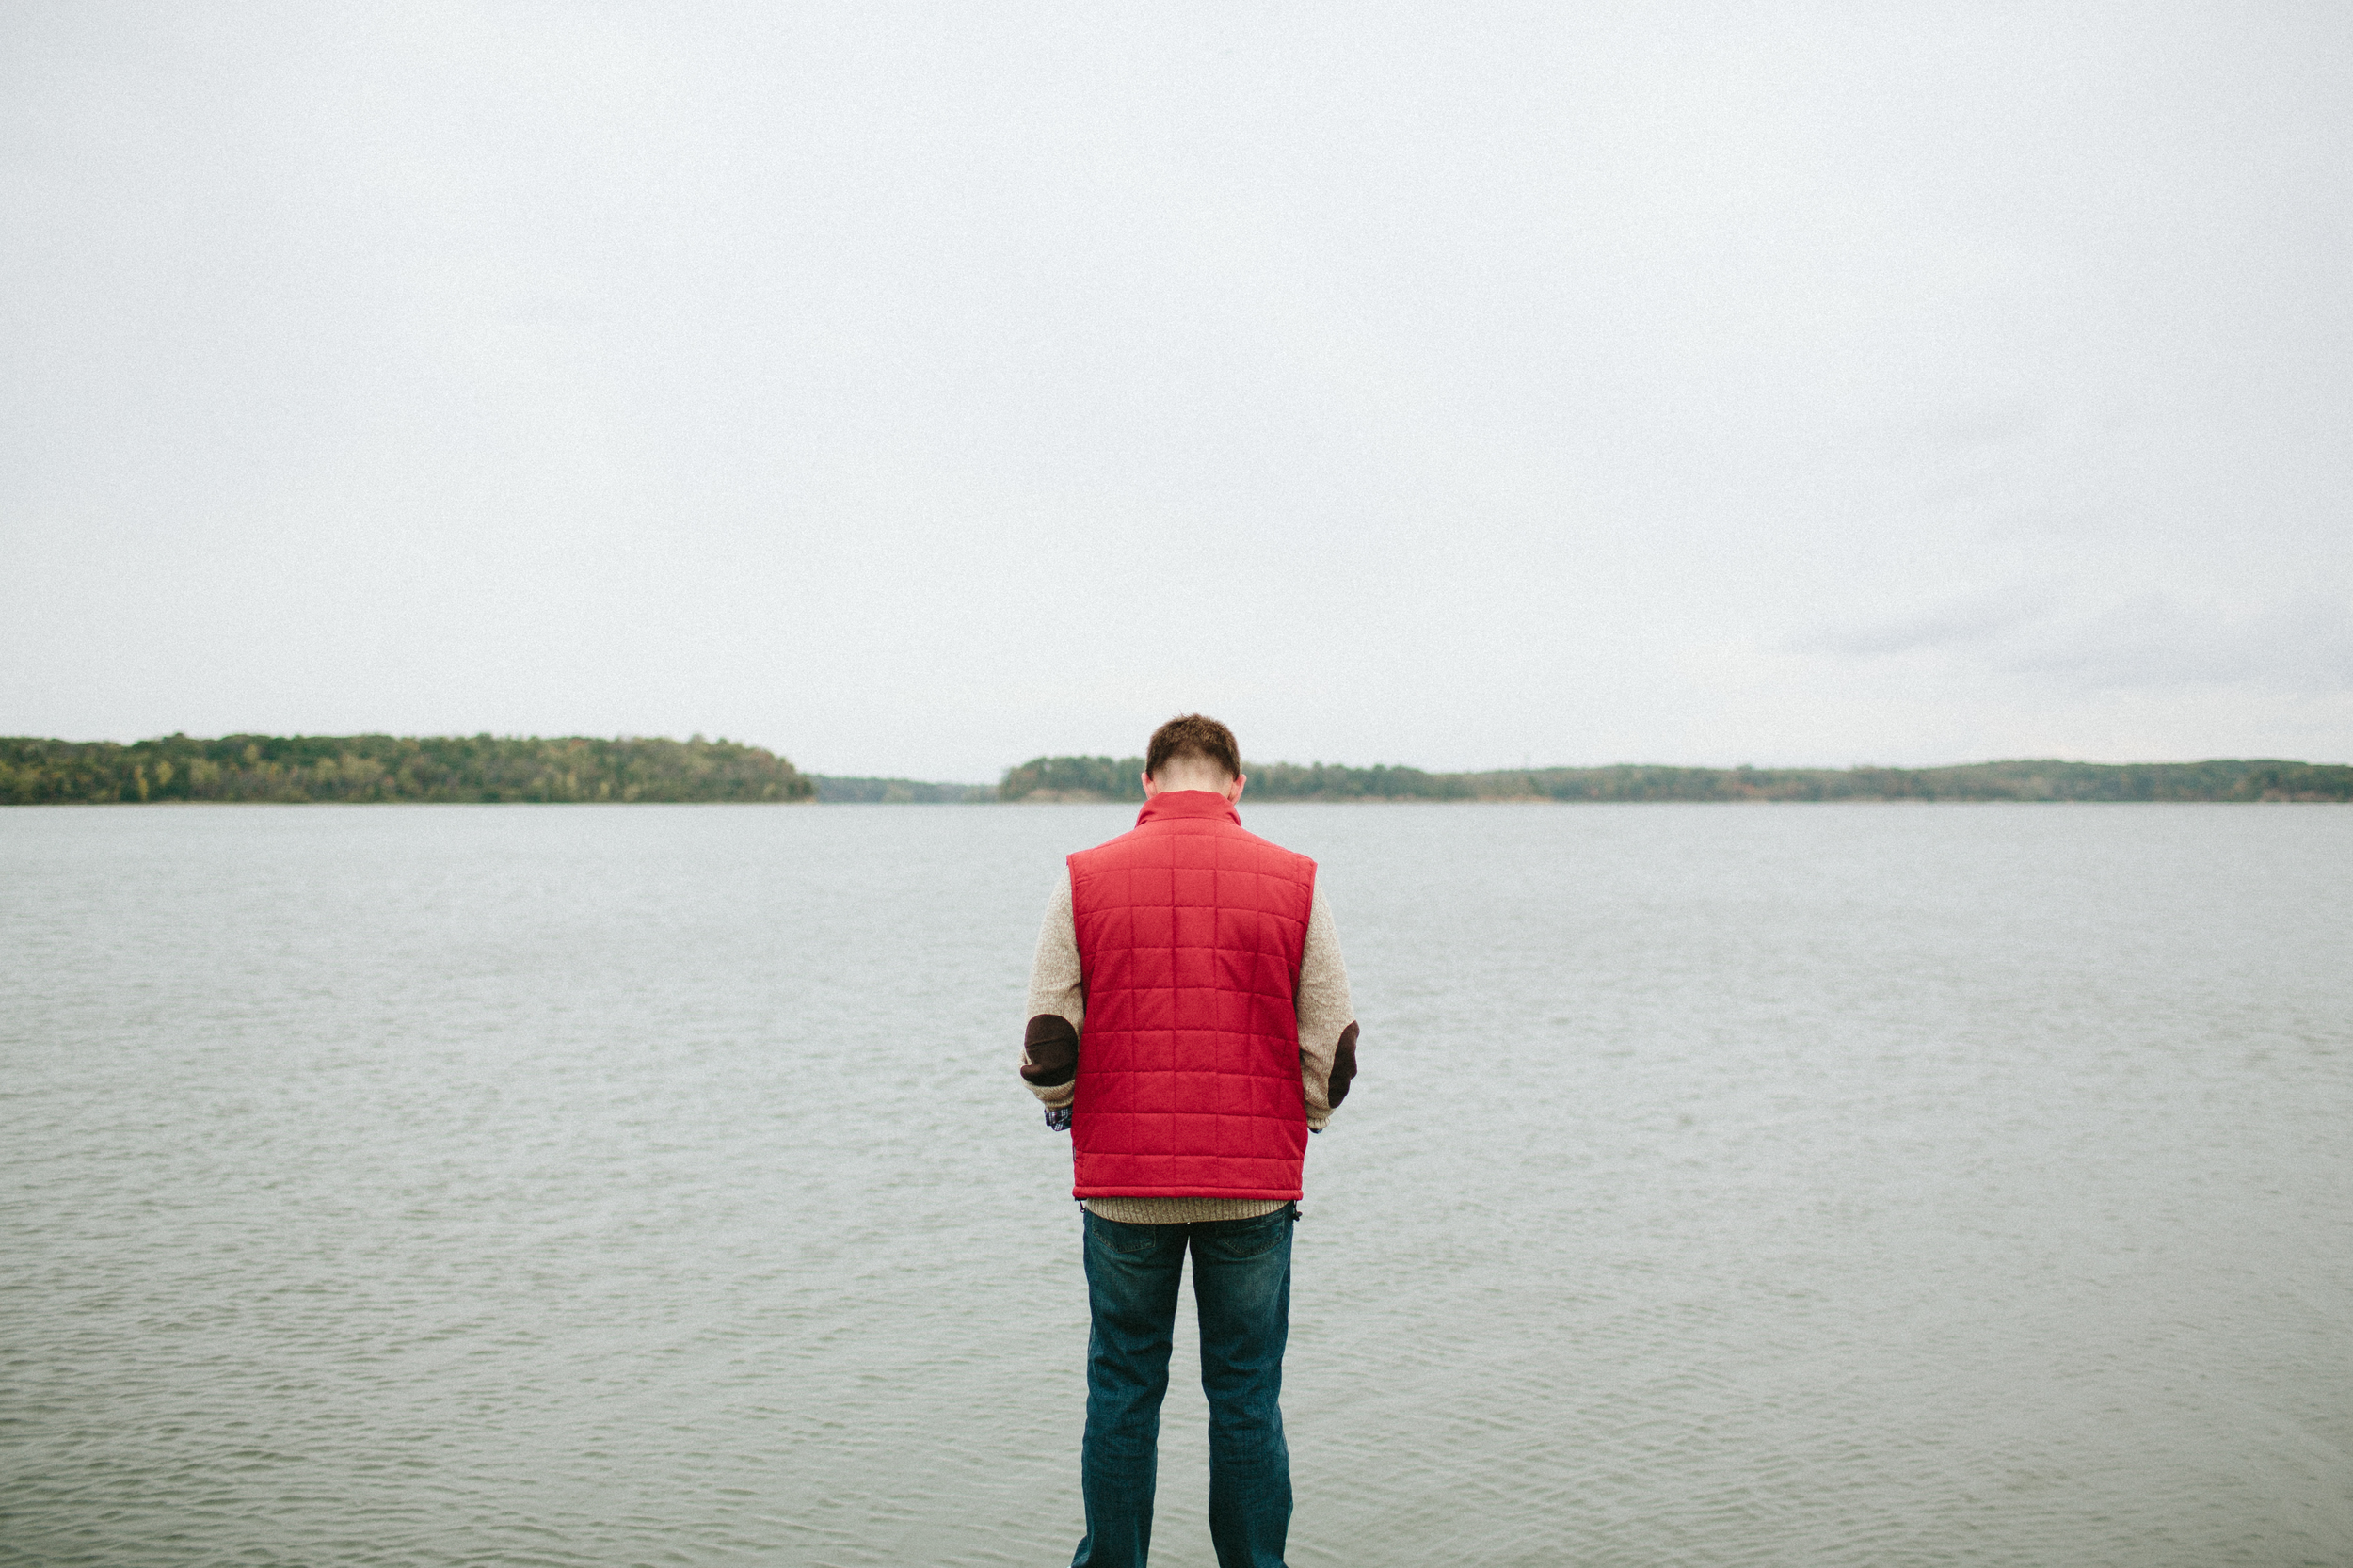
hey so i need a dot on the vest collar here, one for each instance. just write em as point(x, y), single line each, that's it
point(1187, 802)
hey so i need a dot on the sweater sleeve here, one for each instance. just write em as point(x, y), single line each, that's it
point(1327, 1018)
point(1049, 1046)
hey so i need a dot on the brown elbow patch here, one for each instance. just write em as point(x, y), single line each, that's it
point(1343, 1067)
point(1052, 1048)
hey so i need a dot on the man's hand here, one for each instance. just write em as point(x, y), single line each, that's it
point(1058, 1118)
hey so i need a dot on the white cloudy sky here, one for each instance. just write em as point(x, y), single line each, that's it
point(917, 388)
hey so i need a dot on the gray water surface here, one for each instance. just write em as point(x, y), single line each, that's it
point(1811, 1186)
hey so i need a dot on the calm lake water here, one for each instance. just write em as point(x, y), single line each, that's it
point(1811, 1186)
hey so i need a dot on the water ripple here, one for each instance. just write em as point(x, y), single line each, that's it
point(562, 1186)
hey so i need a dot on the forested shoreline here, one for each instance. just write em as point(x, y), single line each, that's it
point(1108, 778)
point(578, 769)
point(293, 769)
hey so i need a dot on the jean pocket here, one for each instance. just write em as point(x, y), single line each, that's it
point(1249, 1238)
point(1129, 1240)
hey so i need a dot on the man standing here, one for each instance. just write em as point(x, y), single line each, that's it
point(1190, 1025)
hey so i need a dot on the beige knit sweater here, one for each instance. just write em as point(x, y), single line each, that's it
point(1327, 1046)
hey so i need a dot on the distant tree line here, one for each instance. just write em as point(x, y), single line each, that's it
point(1074, 779)
point(1105, 778)
point(576, 768)
point(897, 791)
point(290, 768)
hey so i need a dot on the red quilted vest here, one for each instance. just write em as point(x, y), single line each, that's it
point(1189, 935)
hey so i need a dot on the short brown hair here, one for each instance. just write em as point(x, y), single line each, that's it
point(1194, 735)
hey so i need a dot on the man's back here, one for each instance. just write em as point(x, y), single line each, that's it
point(1190, 934)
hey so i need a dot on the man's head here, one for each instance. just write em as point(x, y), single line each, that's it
point(1193, 752)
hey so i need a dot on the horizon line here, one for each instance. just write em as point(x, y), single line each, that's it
point(698, 737)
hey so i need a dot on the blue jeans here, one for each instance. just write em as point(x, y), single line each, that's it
point(1241, 1282)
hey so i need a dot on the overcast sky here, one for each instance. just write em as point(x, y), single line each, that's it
point(918, 389)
